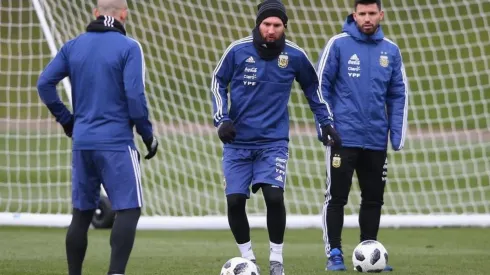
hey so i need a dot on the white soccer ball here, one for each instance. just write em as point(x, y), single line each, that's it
point(239, 266)
point(370, 256)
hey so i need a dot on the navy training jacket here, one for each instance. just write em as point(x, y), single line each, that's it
point(260, 91)
point(363, 80)
point(106, 71)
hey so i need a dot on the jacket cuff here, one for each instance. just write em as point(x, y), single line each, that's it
point(225, 118)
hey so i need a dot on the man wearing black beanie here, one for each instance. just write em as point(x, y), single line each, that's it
point(271, 8)
point(260, 70)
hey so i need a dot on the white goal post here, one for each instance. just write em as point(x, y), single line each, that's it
point(441, 178)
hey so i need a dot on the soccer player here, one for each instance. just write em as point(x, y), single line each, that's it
point(362, 77)
point(260, 70)
point(106, 70)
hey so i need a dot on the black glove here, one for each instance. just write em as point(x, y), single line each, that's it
point(151, 146)
point(330, 137)
point(227, 132)
point(68, 127)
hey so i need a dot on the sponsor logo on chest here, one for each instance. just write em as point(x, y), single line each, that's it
point(354, 66)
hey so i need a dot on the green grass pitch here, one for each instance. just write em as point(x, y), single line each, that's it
point(40, 251)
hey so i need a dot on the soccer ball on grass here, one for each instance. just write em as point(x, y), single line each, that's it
point(370, 256)
point(239, 266)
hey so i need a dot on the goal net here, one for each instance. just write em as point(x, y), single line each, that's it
point(440, 178)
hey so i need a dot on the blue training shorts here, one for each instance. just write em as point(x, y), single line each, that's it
point(248, 167)
point(118, 171)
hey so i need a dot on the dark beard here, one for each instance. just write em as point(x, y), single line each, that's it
point(268, 50)
point(375, 28)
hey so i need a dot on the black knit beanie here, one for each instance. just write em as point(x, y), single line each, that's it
point(270, 8)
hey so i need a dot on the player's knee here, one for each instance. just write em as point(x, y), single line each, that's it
point(273, 196)
point(371, 199)
point(82, 219)
point(368, 203)
point(336, 201)
point(236, 202)
point(130, 212)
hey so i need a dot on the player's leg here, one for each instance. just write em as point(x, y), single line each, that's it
point(237, 169)
point(371, 172)
point(85, 196)
point(276, 225)
point(340, 163)
point(269, 174)
point(121, 176)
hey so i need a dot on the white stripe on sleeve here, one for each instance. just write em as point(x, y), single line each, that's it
point(143, 63)
point(318, 91)
point(214, 82)
point(405, 107)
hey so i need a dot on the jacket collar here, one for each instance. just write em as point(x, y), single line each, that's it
point(105, 23)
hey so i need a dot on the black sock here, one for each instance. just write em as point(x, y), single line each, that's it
point(76, 240)
point(122, 239)
point(369, 218)
point(237, 218)
point(276, 213)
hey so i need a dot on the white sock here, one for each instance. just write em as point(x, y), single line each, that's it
point(246, 250)
point(276, 252)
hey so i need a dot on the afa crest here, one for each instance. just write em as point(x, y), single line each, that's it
point(283, 61)
point(336, 161)
point(383, 61)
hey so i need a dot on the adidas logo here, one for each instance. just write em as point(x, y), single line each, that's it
point(250, 60)
point(279, 178)
point(354, 60)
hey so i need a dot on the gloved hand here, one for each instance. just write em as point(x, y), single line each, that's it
point(68, 127)
point(330, 137)
point(151, 146)
point(226, 131)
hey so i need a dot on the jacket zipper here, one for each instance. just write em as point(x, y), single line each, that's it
point(265, 70)
point(366, 117)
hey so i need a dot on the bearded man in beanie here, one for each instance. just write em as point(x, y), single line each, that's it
point(260, 70)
